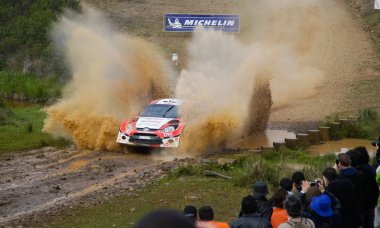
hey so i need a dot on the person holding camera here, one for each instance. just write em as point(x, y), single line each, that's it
point(343, 198)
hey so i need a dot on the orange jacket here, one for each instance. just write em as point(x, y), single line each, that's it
point(212, 224)
point(279, 216)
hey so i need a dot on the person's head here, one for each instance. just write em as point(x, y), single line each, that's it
point(278, 198)
point(190, 212)
point(329, 174)
point(164, 218)
point(206, 213)
point(344, 160)
point(322, 205)
point(293, 206)
point(249, 205)
point(363, 154)
point(286, 183)
point(355, 156)
point(260, 188)
point(297, 179)
point(312, 192)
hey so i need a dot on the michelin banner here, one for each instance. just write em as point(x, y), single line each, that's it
point(188, 22)
point(377, 4)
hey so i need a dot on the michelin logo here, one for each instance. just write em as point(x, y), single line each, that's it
point(188, 22)
point(176, 23)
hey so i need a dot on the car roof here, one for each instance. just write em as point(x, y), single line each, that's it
point(167, 101)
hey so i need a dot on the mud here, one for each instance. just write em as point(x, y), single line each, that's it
point(47, 180)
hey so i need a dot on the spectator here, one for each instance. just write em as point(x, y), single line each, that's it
point(293, 207)
point(175, 58)
point(310, 193)
point(287, 184)
point(344, 191)
point(206, 218)
point(250, 218)
point(164, 218)
point(297, 178)
point(279, 214)
point(377, 216)
point(346, 171)
point(307, 212)
point(360, 160)
point(190, 212)
point(264, 207)
point(323, 215)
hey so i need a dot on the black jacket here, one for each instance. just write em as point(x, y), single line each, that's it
point(357, 179)
point(250, 221)
point(344, 190)
point(371, 189)
point(319, 221)
point(264, 207)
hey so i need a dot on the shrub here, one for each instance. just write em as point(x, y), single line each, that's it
point(24, 32)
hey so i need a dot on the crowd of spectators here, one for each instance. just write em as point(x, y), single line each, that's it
point(345, 196)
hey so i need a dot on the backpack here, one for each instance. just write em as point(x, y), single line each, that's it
point(304, 223)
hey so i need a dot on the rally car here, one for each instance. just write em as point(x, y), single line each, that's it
point(158, 125)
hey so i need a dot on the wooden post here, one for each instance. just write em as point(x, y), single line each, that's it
point(314, 137)
point(291, 143)
point(345, 122)
point(279, 146)
point(324, 133)
point(303, 140)
point(335, 126)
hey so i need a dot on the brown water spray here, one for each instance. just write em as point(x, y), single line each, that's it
point(114, 76)
point(236, 79)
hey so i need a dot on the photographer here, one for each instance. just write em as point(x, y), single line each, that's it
point(346, 205)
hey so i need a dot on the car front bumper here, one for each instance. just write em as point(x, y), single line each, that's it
point(150, 140)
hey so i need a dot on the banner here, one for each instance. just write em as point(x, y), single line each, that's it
point(377, 4)
point(188, 22)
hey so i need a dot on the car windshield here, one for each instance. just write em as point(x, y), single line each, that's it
point(161, 110)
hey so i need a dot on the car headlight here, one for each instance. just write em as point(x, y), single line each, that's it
point(129, 126)
point(168, 129)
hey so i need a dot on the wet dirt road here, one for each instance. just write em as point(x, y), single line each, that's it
point(43, 180)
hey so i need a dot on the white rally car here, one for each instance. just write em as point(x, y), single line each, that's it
point(159, 125)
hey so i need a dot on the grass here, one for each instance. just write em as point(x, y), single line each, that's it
point(21, 128)
point(367, 126)
point(124, 211)
point(188, 185)
point(25, 87)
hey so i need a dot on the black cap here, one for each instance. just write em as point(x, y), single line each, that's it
point(190, 212)
point(260, 188)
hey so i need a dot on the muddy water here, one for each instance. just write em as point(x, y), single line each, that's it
point(269, 136)
point(341, 145)
point(264, 139)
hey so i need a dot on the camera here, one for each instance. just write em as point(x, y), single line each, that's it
point(314, 182)
point(376, 142)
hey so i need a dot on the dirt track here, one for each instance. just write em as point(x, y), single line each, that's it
point(40, 182)
point(47, 179)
